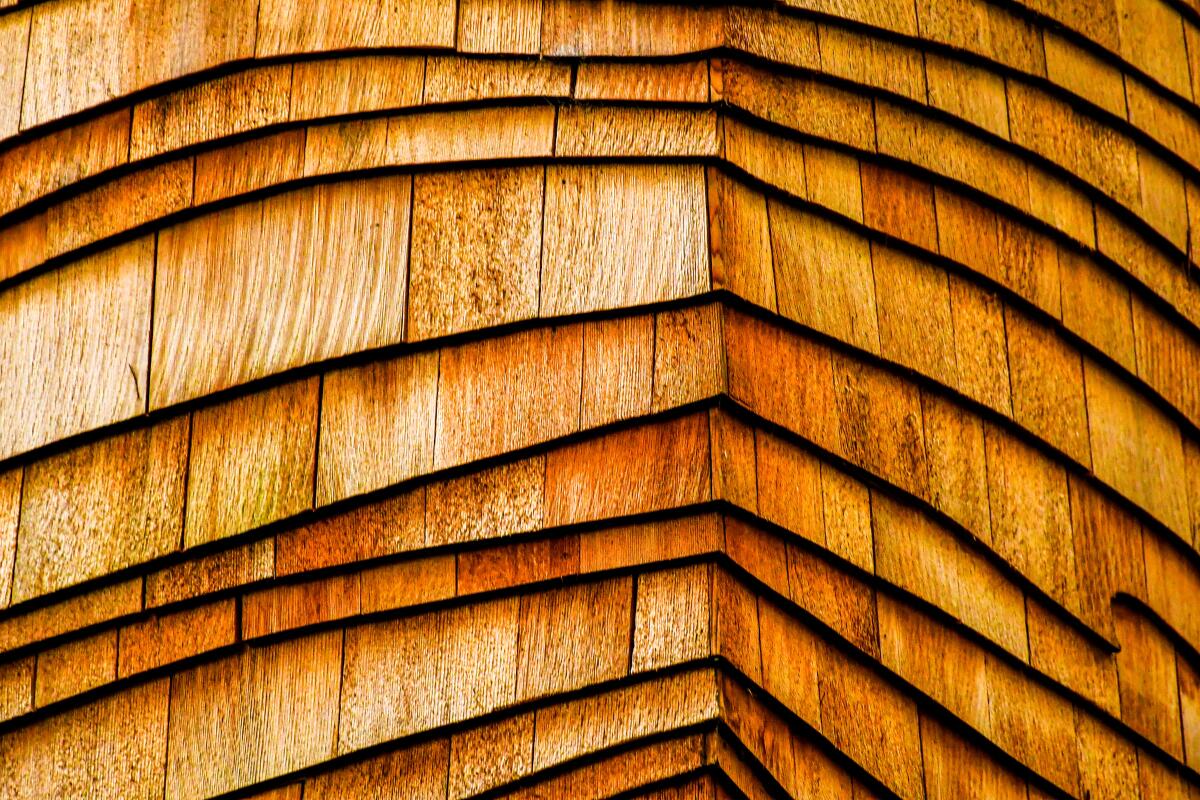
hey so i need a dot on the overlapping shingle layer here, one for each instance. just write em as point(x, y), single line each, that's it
point(590, 398)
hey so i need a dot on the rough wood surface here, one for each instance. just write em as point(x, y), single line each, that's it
point(558, 398)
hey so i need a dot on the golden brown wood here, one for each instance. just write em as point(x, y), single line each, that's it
point(620, 235)
point(251, 461)
point(476, 250)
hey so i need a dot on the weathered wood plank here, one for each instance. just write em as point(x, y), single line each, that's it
point(377, 425)
point(622, 235)
point(573, 637)
point(476, 249)
point(648, 468)
point(251, 461)
point(114, 747)
point(271, 710)
point(501, 394)
point(246, 292)
point(76, 343)
point(110, 504)
point(295, 26)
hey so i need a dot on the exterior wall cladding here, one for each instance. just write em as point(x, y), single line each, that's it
point(588, 398)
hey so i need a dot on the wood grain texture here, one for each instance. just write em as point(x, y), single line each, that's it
point(823, 276)
point(1137, 449)
point(113, 747)
point(673, 617)
point(377, 425)
point(247, 705)
point(453, 79)
point(242, 168)
point(609, 476)
point(573, 637)
point(75, 613)
point(61, 157)
point(352, 85)
point(490, 755)
point(476, 419)
point(240, 102)
point(224, 278)
point(928, 561)
point(739, 240)
point(689, 364)
point(288, 26)
point(251, 461)
point(432, 669)
point(618, 369)
point(417, 771)
point(590, 724)
point(212, 573)
point(629, 131)
point(477, 134)
point(75, 667)
point(164, 639)
point(493, 502)
point(685, 82)
point(101, 507)
point(622, 235)
point(500, 26)
point(79, 59)
point(476, 250)
point(76, 342)
point(627, 28)
point(11, 483)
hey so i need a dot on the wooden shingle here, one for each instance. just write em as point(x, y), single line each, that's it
point(1047, 385)
point(226, 276)
point(921, 557)
point(684, 82)
point(881, 426)
point(287, 26)
point(621, 235)
point(432, 669)
point(351, 85)
point(636, 131)
point(417, 771)
point(914, 305)
point(473, 134)
point(740, 240)
point(648, 468)
point(115, 746)
point(490, 755)
point(242, 168)
point(77, 339)
point(110, 504)
point(689, 362)
point(251, 461)
point(476, 249)
point(243, 101)
point(801, 398)
point(573, 637)
point(618, 367)
point(672, 618)
point(377, 425)
point(164, 639)
point(456, 79)
point(1136, 448)
point(823, 276)
point(500, 26)
point(273, 709)
point(476, 419)
point(491, 503)
point(75, 667)
point(1031, 515)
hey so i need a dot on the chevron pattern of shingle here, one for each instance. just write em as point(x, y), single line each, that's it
point(600, 398)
